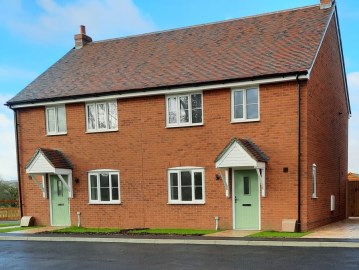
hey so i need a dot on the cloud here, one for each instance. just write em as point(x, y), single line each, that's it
point(353, 84)
point(7, 142)
point(60, 21)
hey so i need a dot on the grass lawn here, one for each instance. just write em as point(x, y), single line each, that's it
point(271, 234)
point(15, 223)
point(75, 229)
point(172, 231)
point(17, 229)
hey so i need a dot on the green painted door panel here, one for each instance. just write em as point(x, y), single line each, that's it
point(59, 202)
point(246, 200)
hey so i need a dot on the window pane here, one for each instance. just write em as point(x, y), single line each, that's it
point(93, 181)
point(246, 185)
point(105, 194)
point(112, 115)
point(238, 98)
point(94, 195)
point(196, 101)
point(93, 185)
point(173, 179)
point(60, 191)
point(184, 116)
point(252, 96)
point(61, 119)
point(186, 193)
point(51, 121)
point(101, 116)
point(186, 178)
point(114, 193)
point(198, 193)
point(172, 110)
point(252, 111)
point(174, 193)
point(198, 178)
point(238, 111)
point(104, 180)
point(114, 180)
point(91, 120)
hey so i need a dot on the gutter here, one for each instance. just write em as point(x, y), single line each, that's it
point(18, 161)
point(299, 167)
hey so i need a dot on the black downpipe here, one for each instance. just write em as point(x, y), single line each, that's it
point(18, 161)
point(299, 146)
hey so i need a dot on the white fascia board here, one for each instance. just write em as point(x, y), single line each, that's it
point(162, 92)
point(63, 171)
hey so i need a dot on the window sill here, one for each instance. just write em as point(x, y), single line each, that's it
point(105, 203)
point(245, 121)
point(185, 203)
point(314, 197)
point(101, 131)
point(189, 125)
point(56, 134)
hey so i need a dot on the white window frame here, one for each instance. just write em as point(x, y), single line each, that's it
point(96, 129)
point(244, 119)
point(192, 170)
point(314, 181)
point(179, 124)
point(97, 173)
point(56, 132)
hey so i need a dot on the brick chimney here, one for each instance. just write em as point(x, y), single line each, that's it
point(326, 4)
point(82, 39)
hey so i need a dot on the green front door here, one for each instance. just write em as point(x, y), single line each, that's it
point(246, 200)
point(60, 211)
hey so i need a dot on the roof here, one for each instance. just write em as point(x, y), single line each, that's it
point(251, 148)
point(273, 44)
point(55, 157)
point(353, 176)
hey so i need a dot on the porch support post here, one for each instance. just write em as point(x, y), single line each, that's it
point(225, 180)
point(41, 186)
point(69, 185)
point(262, 176)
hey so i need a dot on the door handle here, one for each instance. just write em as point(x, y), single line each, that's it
point(235, 199)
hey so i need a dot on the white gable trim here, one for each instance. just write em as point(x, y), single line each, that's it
point(40, 165)
point(236, 156)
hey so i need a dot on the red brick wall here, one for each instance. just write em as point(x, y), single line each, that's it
point(143, 149)
point(327, 118)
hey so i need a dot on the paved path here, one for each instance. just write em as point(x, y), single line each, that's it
point(345, 229)
point(79, 255)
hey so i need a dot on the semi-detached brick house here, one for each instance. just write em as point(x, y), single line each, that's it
point(245, 120)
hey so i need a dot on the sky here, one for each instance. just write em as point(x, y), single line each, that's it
point(34, 34)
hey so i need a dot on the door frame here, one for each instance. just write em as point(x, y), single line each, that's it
point(233, 203)
point(50, 200)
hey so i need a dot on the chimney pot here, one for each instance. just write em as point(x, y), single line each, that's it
point(83, 29)
point(326, 4)
point(82, 39)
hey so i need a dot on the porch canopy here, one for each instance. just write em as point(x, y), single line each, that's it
point(242, 154)
point(49, 161)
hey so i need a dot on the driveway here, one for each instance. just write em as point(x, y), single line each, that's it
point(346, 229)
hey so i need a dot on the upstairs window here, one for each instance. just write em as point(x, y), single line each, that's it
point(104, 187)
point(186, 186)
point(101, 116)
point(56, 120)
point(245, 105)
point(184, 110)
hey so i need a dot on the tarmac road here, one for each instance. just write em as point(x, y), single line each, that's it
point(87, 255)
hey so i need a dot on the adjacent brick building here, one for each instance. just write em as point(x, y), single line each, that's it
point(245, 120)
